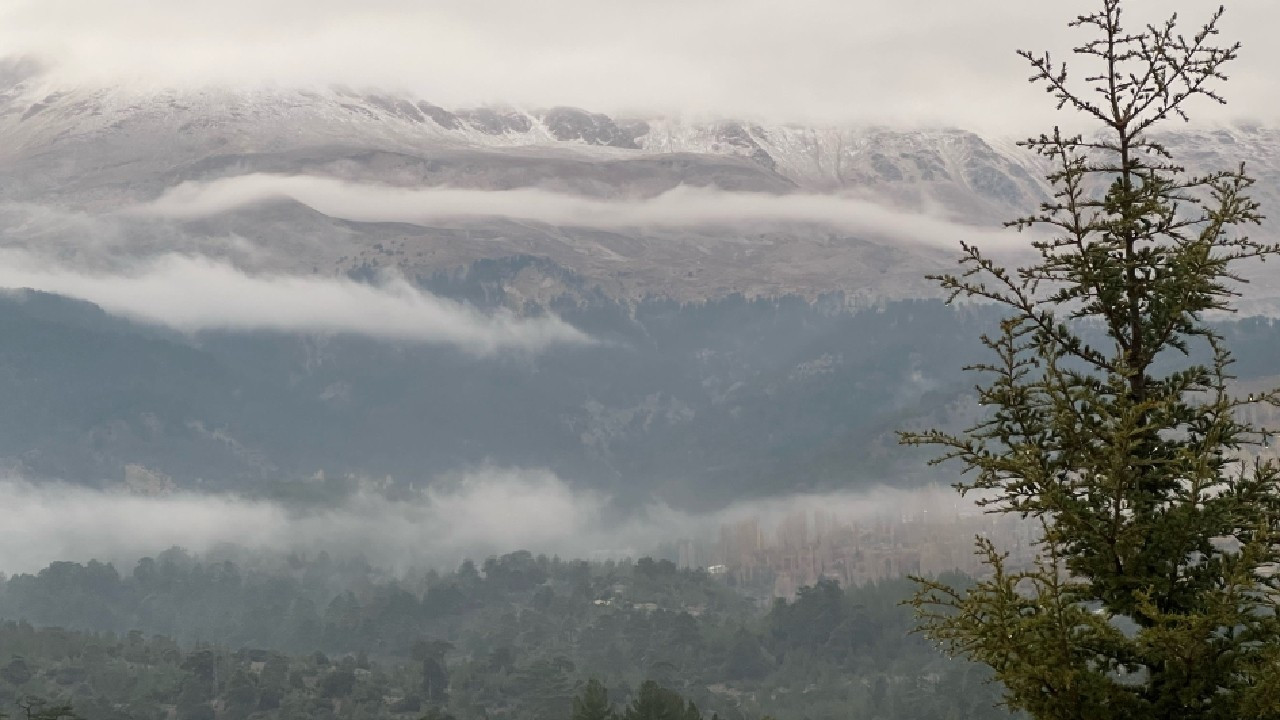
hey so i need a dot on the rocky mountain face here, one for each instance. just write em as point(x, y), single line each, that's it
point(72, 158)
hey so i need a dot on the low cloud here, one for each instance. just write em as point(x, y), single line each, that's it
point(193, 293)
point(482, 513)
point(910, 60)
point(679, 207)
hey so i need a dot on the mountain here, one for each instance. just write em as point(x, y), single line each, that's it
point(698, 404)
point(73, 157)
point(734, 357)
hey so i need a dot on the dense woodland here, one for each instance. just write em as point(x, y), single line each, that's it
point(697, 404)
point(516, 636)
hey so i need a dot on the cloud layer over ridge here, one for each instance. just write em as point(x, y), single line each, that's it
point(483, 512)
point(192, 293)
point(679, 207)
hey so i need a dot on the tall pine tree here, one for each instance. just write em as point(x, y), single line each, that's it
point(593, 703)
point(1111, 418)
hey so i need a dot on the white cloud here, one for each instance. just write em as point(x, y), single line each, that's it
point(192, 293)
point(910, 60)
point(486, 512)
point(63, 522)
point(680, 207)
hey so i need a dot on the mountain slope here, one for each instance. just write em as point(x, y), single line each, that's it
point(72, 158)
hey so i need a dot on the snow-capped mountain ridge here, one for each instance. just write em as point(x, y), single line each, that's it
point(33, 118)
point(95, 150)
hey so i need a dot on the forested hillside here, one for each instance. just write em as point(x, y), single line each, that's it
point(695, 404)
point(515, 637)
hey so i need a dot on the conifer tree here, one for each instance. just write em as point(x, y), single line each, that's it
point(1110, 417)
point(654, 702)
point(593, 703)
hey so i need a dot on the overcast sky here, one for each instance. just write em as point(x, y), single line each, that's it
point(906, 60)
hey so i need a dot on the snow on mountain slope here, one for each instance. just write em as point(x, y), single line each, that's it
point(961, 171)
point(172, 127)
point(78, 154)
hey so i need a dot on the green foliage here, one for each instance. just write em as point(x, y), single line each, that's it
point(651, 702)
point(592, 703)
point(504, 651)
point(654, 702)
point(35, 709)
point(1153, 596)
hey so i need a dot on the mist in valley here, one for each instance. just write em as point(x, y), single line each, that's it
point(473, 516)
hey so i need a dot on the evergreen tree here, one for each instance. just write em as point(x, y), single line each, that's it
point(435, 674)
point(1111, 419)
point(241, 696)
point(593, 702)
point(654, 702)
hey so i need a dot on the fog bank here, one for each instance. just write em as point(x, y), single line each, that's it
point(485, 512)
point(192, 293)
point(679, 207)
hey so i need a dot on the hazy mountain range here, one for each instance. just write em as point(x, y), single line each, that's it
point(326, 281)
point(714, 207)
